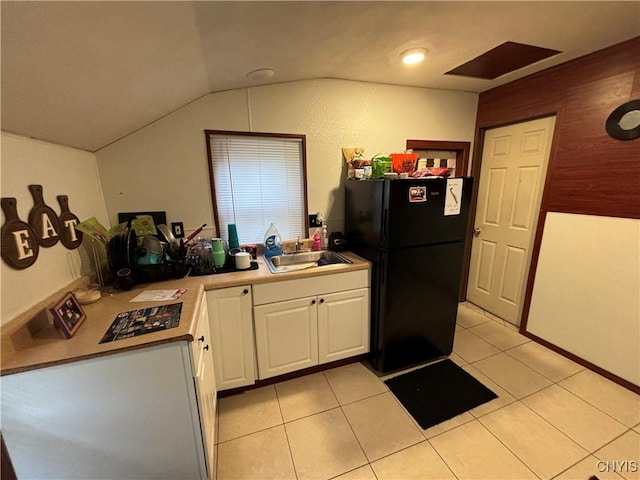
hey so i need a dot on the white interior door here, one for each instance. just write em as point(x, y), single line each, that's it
point(514, 164)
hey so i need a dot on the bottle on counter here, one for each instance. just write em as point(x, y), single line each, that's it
point(317, 242)
point(325, 236)
point(272, 242)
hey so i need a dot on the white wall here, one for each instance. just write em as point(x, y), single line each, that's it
point(586, 296)
point(61, 171)
point(164, 166)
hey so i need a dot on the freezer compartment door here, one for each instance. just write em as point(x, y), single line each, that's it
point(363, 217)
point(418, 301)
point(414, 211)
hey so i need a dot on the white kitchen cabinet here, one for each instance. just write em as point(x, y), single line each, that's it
point(286, 336)
point(343, 325)
point(127, 415)
point(205, 382)
point(305, 322)
point(230, 318)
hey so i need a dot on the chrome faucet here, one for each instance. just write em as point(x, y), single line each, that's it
point(298, 244)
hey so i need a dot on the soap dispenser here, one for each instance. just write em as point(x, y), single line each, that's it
point(324, 237)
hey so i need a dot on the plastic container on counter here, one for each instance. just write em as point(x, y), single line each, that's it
point(272, 242)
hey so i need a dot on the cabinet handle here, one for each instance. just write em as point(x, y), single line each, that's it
point(201, 339)
point(206, 347)
point(322, 300)
point(245, 291)
point(313, 302)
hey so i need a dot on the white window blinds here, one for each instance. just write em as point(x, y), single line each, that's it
point(257, 181)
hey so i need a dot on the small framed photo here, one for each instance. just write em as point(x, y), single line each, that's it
point(178, 229)
point(68, 315)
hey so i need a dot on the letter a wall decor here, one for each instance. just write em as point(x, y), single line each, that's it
point(42, 219)
point(21, 241)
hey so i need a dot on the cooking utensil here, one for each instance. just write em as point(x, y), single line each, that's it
point(43, 219)
point(69, 236)
point(152, 244)
point(130, 245)
point(117, 253)
point(166, 234)
point(19, 244)
point(192, 236)
point(111, 252)
point(153, 251)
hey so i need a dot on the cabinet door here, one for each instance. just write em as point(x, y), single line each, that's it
point(204, 375)
point(343, 324)
point(286, 336)
point(232, 332)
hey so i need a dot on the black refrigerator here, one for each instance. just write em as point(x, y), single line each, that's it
point(413, 231)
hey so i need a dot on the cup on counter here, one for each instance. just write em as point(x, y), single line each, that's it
point(218, 253)
point(124, 279)
point(252, 249)
point(233, 236)
point(243, 260)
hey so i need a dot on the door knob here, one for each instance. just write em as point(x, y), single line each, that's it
point(477, 232)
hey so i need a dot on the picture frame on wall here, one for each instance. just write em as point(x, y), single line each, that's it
point(68, 315)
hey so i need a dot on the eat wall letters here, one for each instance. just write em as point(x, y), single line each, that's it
point(21, 241)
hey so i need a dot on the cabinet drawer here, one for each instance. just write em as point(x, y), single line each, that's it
point(311, 286)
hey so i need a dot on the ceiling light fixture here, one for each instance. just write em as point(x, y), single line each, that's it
point(414, 55)
point(261, 74)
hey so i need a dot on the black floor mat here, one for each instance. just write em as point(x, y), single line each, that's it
point(438, 392)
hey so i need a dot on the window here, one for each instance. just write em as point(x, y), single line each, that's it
point(258, 179)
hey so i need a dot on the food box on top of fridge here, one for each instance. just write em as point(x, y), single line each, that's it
point(404, 162)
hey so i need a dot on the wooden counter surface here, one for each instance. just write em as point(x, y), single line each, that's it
point(30, 341)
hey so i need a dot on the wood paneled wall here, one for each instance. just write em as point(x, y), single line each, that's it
point(589, 172)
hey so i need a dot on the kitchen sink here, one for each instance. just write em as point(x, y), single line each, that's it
point(290, 262)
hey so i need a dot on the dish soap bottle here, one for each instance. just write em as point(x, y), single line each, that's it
point(272, 242)
point(317, 243)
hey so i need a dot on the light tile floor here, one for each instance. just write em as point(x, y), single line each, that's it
point(552, 419)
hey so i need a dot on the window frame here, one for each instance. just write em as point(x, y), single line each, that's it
point(212, 187)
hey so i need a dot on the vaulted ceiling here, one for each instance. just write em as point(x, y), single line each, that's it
point(85, 74)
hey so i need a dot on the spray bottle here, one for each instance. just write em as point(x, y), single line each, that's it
point(324, 236)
